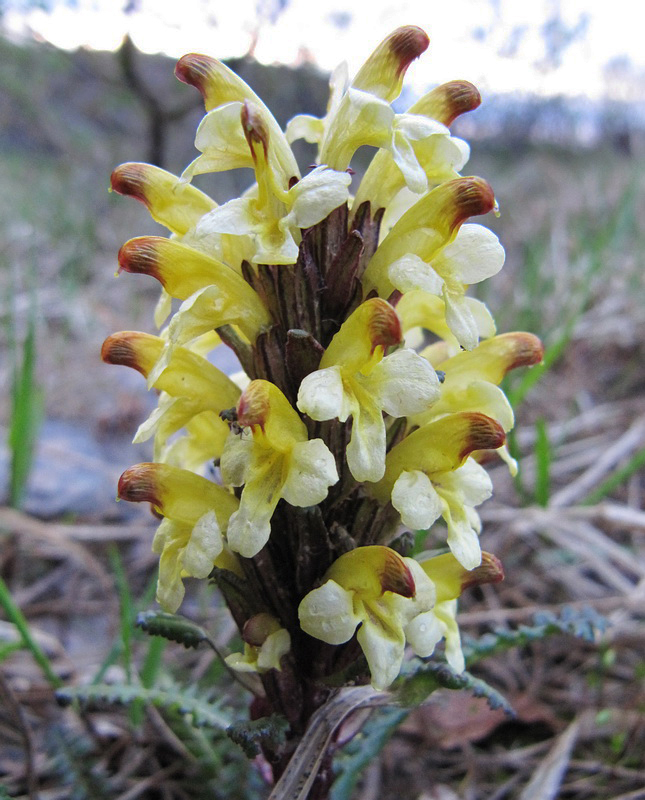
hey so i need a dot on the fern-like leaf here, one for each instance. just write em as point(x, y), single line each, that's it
point(199, 712)
point(250, 734)
point(173, 627)
point(583, 623)
point(427, 677)
point(75, 763)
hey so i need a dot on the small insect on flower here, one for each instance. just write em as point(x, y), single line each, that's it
point(229, 415)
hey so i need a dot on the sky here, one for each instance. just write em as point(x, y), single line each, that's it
point(500, 45)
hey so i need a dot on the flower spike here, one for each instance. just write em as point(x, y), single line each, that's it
point(336, 429)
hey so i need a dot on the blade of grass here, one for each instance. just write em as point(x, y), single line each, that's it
point(111, 658)
point(616, 478)
point(543, 458)
point(514, 450)
point(116, 650)
point(126, 608)
point(15, 615)
point(152, 662)
point(7, 649)
point(27, 404)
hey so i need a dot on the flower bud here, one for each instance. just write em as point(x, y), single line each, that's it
point(178, 206)
point(133, 349)
point(177, 493)
point(448, 101)
point(427, 227)
point(383, 72)
point(451, 579)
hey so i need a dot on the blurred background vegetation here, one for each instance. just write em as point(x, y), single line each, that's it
point(76, 567)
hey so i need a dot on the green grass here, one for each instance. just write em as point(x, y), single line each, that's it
point(15, 616)
point(616, 479)
point(543, 459)
point(27, 402)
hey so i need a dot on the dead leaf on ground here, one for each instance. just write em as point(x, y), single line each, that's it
point(456, 718)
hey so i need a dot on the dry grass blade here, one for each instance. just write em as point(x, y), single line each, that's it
point(638, 794)
point(20, 720)
point(523, 519)
point(604, 605)
point(26, 527)
point(613, 514)
point(632, 440)
point(547, 778)
point(151, 782)
point(303, 767)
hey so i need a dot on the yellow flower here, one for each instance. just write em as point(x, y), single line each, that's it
point(214, 294)
point(179, 207)
point(428, 249)
point(428, 475)
point(272, 458)
point(472, 378)
point(420, 309)
point(360, 113)
point(220, 137)
point(175, 204)
point(450, 579)
point(265, 643)
point(435, 157)
point(191, 386)
point(355, 379)
point(474, 255)
point(274, 210)
point(383, 593)
point(189, 539)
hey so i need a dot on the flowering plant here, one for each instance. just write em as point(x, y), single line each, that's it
point(292, 484)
